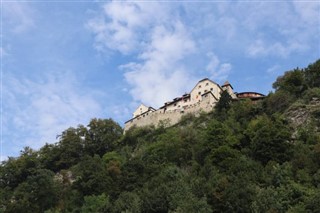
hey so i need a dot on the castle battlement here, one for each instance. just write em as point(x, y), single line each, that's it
point(202, 98)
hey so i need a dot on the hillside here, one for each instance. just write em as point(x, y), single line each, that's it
point(243, 156)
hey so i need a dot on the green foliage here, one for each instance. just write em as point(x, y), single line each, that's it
point(113, 157)
point(292, 82)
point(244, 156)
point(313, 203)
point(91, 176)
point(136, 135)
point(102, 136)
point(170, 192)
point(269, 139)
point(128, 202)
point(96, 203)
point(224, 101)
point(243, 111)
point(36, 194)
point(16, 170)
point(312, 73)
point(311, 94)
point(187, 119)
point(223, 157)
point(218, 134)
point(278, 102)
point(70, 148)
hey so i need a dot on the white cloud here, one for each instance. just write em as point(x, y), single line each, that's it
point(122, 24)
point(161, 42)
point(168, 43)
point(160, 76)
point(18, 15)
point(260, 48)
point(279, 30)
point(218, 71)
point(36, 111)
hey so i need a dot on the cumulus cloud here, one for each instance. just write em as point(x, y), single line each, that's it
point(39, 110)
point(122, 25)
point(160, 42)
point(160, 76)
point(161, 46)
point(168, 43)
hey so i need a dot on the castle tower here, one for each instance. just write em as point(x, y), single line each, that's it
point(228, 87)
point(142, 109)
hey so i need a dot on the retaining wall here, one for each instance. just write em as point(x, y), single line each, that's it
point(171, 117)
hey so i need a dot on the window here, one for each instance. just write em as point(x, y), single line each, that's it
point(205, 90)
point(199, 86)
point(199, 93)
point(211, 89)
point(207, 84)
point(175, 105)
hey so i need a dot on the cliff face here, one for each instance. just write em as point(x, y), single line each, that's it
point(303, 114)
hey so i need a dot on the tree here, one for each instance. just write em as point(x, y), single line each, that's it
point(70, 147)
point(96, 203)
point(170, 192)
point(102, 136)
point(16, 170)
point(269, 139)
point(310, 94)
point(37, 194)
point(128, 202)
point(292, 81)
point(278, 102)
point(224, 101)
point(218, 133)
point(91, 176)
point(312, 73)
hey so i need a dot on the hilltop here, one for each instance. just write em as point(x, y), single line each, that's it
point(242, 156)
point(203, 98)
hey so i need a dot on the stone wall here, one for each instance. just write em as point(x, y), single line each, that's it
point(171, 116)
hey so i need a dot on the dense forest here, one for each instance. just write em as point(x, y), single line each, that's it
point(244, 156)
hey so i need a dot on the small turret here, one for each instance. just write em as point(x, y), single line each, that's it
point(228, 87)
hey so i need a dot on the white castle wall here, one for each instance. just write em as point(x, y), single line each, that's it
point(171, 116)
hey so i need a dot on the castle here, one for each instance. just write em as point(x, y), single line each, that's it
point(203, 97)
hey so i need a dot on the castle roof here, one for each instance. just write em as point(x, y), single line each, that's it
point(227, 84)
point(251, 95)
point(209, 92)
point(175, 100)
point(206, 79)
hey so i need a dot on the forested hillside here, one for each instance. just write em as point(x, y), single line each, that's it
point(244, 156)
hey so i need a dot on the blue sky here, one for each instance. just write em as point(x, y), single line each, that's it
point(64, 63)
